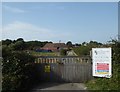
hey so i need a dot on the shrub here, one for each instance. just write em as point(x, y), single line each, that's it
point(63, 52)
point(17, 70)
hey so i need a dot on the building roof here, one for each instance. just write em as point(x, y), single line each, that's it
point(48, 45)
point(59, 44)
point(55, 45)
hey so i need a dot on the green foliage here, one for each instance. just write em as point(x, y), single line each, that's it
point(82, 50)
point(32, 45)
point(20, 44)
point(85, 48)
point(0, 51)
point(6, 42)
point(17, 69)
point(69, 44)
point(63, 52)
point(20, 39)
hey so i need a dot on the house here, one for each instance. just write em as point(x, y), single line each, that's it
point(54, 46)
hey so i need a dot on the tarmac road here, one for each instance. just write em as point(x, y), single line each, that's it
point(59, 86)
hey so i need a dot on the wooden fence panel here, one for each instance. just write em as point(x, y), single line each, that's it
point(68, 71)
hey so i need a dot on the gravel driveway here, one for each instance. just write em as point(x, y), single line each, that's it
point(59, 86)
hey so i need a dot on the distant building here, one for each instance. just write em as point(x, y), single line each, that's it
point(54, 46)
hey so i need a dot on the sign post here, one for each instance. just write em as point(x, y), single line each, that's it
point(101, 58)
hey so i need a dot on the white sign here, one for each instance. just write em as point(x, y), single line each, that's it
point(101, 58)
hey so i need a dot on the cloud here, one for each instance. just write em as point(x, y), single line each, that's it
point(29, 31)
point(13, 9)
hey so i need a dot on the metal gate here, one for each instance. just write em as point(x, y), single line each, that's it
point(64, 69)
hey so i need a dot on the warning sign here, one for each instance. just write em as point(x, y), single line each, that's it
point(101, 58)
point(102, 68)
point(47, 68)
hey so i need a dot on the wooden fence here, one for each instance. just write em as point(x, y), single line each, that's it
point(64, 69)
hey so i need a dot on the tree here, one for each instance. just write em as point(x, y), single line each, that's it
point(6, 42)
point(19, 45)
point(94, 44)
point(84, 43)
point(76, 44)
point(69, 44)
point(20, 39)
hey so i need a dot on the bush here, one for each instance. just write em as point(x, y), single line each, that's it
point(17, 71)
point(82, 50)
point(63, 52)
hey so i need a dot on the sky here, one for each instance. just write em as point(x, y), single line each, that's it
point(65, 21)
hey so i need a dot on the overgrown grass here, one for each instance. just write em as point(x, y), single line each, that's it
point(103, 84)
point(106, 83)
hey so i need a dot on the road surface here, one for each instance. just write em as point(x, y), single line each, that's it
point(59, 86)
